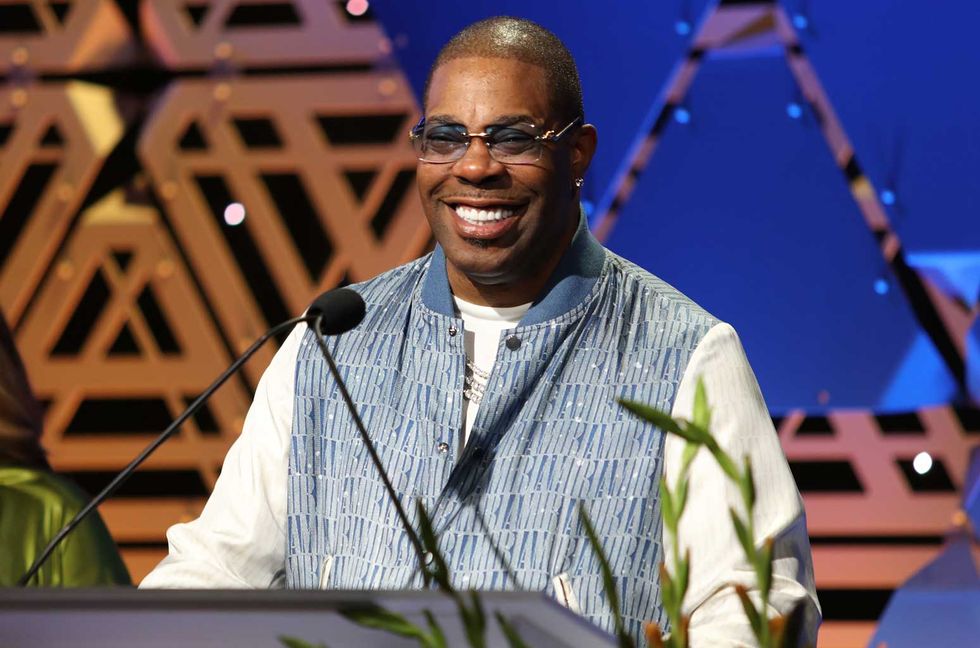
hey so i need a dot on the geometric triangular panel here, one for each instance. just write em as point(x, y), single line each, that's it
point(305, 228)
point(146, 338)
point(52, 137)
point(125, 343)
point(743, 208)
point(902, 77)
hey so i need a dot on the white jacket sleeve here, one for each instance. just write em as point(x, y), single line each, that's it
point(741, 424)
point(239, 541)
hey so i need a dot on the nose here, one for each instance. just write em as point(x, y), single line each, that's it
point(477, 166)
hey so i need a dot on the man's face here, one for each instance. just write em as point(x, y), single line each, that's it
point(497, 223)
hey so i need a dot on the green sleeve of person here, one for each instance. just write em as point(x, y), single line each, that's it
point(34, 506)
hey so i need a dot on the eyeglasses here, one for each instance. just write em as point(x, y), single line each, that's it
point(515, 144)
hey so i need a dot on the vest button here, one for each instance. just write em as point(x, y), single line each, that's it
point(513, 343)
point(428, 557)
point(452, 331)
point(443, 447)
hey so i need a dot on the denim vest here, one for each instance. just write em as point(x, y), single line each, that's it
point(548, 436)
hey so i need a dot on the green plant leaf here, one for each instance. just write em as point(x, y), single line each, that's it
point(381, 619)
point(293, 642)
point(436, 634)
point(690, 451)
point(510, 633)
point(608, 582)
point(661, 419)
point(667, 591)
point(764, 569)
point(744, 537)
point(680, 501)
point(701, 416)
point(724, 461)
point(667, 505)
point(431, 543)
point(747, 484)
point(475, 620)
point(683, 572)
point(755, 619)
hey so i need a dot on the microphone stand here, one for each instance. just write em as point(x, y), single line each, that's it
point(166, 434)
point(409, 529)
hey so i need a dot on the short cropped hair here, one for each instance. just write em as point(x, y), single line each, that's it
point(523, 40)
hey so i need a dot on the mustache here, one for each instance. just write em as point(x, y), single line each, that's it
point(482, 196)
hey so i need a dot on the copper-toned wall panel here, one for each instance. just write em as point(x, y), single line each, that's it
point(59, 135)
point(63, 36)
point(119, 329)
point(330, 151)
point(301, 32)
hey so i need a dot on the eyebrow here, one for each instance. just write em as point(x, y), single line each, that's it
point(503, 120)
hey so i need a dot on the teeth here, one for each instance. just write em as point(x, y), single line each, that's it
point(476, 216)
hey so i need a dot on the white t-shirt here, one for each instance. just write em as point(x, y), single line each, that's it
point(482, 326)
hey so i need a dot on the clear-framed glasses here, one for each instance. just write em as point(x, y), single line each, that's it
point(512, 144)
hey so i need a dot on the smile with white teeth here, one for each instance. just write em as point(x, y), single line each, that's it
point(477, 216)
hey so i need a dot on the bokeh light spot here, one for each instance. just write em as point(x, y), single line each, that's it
point(235, 214)
point(357, 7)
point(922, 463)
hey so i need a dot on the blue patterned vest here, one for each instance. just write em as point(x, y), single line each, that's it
point(548, 436)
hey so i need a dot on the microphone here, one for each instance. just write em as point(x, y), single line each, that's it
point(334, 312)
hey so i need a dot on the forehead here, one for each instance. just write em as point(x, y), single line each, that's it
point(476, 90)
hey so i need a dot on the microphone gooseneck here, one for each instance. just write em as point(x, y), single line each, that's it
point(319, 325)
point(336, 311)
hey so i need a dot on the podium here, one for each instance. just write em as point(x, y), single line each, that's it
point(118, 617)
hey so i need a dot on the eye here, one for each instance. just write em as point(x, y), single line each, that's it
point(512, 140)
point(511, 135)
point(444, 134)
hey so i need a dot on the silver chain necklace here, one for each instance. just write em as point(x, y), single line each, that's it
point(474, 383)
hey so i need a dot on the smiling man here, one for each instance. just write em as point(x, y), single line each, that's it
point(487, 373)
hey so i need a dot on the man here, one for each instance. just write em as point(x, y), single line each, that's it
point(487, 374)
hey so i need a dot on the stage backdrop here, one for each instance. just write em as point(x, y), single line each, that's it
point(804, 170)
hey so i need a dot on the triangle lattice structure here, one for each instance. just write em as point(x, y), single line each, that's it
point(70, 37)
point(41, 187)
point(184, 36)
point(95, 374)
point(306, 227)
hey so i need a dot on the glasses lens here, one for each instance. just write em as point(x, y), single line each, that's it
point(514, 145)
point(441, 143)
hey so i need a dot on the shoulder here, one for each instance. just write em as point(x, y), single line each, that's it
point(648, 297)
point(388, 297)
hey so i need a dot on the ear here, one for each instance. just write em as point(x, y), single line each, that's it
point(583, 148)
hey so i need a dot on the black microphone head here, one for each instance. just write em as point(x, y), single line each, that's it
point(342, 309)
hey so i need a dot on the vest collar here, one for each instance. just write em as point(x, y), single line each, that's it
point(568, 286)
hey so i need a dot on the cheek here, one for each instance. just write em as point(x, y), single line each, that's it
point(427, 179)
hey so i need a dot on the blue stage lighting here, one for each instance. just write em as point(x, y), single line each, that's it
point(682, 115)
point(881, 286)
point(800, 21)
point(887, 197)
point(794, 110)
point(682, 27)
